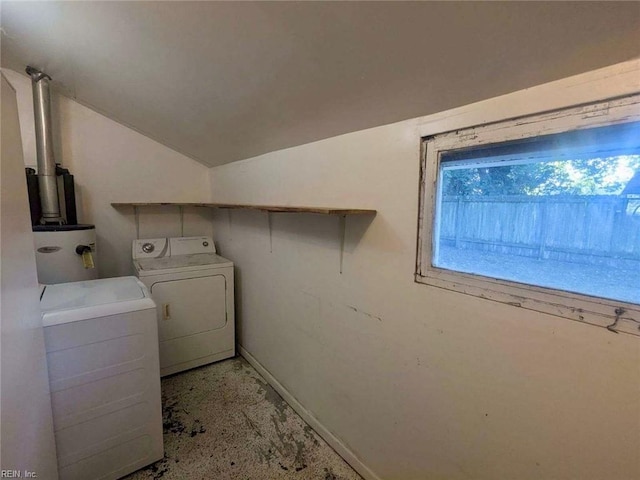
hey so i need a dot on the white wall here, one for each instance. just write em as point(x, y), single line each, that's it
point(112, 163)
point(420, 382)
point(27, 441)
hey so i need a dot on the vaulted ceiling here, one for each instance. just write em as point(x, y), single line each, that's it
point(223, 81)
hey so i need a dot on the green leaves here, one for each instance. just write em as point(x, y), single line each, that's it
point(591, 176)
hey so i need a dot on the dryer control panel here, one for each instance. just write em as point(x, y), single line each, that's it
point(191, 245)
point(169, 247)
point(150, 248)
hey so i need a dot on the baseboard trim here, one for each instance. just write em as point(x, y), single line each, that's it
point(333, 441)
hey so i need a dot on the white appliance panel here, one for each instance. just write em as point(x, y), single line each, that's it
point(126, 453)
point(64, 296)
point(56, 257)
point(93, 357)
point(105, 390)
point(191, 245)
point(93, 395)
point(75, 301)
point(150, 248)
point(198, 261)
point(188, 352)
point(190, 306)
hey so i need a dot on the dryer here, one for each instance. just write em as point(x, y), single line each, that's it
point(193, 290)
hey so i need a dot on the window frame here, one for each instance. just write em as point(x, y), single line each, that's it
point(619, 317)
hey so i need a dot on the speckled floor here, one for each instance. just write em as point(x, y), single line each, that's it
point(223, 421)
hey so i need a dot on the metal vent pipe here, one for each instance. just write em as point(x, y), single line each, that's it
point(47, 180)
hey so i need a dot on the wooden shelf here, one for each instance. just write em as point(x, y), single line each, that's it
point(341, 213)
point(262, 208)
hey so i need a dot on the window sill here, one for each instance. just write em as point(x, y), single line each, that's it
point(617, 317)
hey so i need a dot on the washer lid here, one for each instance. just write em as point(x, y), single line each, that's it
point(180, 263)
point(69, 302)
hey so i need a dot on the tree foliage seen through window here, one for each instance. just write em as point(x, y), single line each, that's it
point(594, 176)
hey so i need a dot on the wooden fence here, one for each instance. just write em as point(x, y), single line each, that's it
point(584, 229)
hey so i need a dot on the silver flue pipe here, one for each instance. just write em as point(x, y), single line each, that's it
point(47, 179)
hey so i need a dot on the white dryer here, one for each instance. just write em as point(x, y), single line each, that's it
point(193, 289)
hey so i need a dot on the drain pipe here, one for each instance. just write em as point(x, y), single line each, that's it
point(47, 180)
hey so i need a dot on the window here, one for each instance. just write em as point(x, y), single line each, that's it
point(542, 212)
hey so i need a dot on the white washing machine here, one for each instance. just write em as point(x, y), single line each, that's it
point(101, 340)
point(193, 289)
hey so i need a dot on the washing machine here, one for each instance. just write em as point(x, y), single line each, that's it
point(101, 342)
point(193, 290)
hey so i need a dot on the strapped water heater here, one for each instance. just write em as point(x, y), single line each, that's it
point(64, 249)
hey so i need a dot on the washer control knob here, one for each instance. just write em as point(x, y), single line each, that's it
point(148, 247)
point(205, 244)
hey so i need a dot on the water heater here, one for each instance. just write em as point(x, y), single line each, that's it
point(64, 253)
point(64, 249)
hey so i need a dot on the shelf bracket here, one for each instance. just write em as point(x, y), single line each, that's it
point(270, 221)
point(343, 230)
point(136, 216)
point(181, 210)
